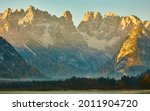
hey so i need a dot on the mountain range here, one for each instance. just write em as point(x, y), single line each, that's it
point(109, 45)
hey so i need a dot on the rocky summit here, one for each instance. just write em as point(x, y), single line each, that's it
point(98, 46)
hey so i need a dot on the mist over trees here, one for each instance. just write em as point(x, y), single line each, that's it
point(139, 82)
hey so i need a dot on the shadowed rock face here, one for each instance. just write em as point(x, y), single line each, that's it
point(13, 66)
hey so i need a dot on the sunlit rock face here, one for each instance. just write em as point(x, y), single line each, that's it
point(6, 13)
point(28, 17)
point(134, 47)
point(147, 25)
point(128, 55)
point(133, 55)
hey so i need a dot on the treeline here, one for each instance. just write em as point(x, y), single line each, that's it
point(139, 82)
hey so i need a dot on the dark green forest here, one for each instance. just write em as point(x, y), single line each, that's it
point(139, 82)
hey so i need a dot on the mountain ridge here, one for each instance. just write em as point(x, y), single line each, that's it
point(13, 66)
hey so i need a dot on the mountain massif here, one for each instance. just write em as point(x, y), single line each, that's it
point(109, 45)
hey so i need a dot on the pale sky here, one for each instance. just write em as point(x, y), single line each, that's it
point(140, 8)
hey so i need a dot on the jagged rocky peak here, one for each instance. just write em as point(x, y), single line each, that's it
point(92, 16)
point(111, 14)
point(111, 18)
point(88, 16)
point(129, 22)
point(30, 8)
point(66, 19)
point(125, 20)
point(28, 17)
point(135, 20)
point(90, 22)
point(126, 24)
point(21, 11)
point(109, 24)
point(6, 13)
point(37, 13)
point(97, 15)
point(146, 25)
point(68, 16)
point(16, 11)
